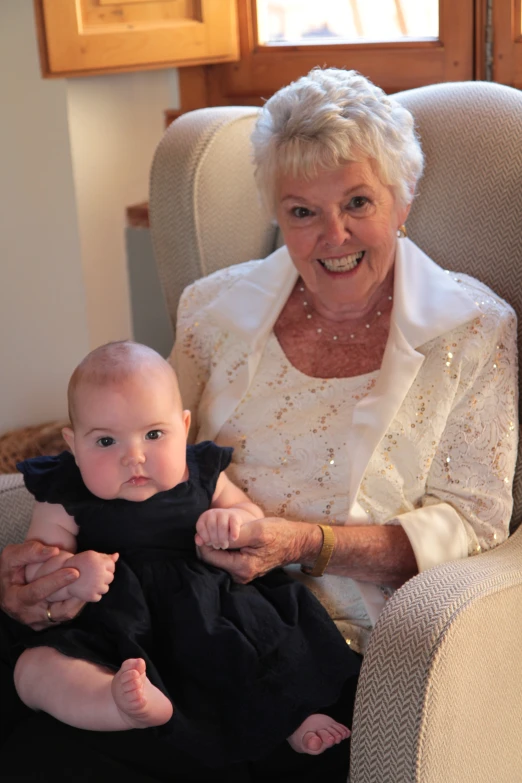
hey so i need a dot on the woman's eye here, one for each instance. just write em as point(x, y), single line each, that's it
point(300, 212)
point(154, 435)
point(358, 202)
point(105, 441)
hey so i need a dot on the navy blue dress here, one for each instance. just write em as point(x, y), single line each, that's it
point(243, 665)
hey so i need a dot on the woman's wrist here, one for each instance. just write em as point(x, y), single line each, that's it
point(320, 564)
point(311, 544)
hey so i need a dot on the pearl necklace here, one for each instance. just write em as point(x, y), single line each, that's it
point(319, 330)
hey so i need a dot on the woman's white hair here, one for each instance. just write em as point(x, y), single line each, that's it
point(329, 118)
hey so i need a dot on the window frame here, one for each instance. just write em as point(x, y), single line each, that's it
point(394, 66)
point(507, 42)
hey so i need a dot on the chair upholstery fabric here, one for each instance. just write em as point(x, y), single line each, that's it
point(440, 684)
point(440, 694)
point(205, 213)
point(16, 505)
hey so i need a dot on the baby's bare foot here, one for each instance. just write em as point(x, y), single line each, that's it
point(139, 702)
point(316, 734)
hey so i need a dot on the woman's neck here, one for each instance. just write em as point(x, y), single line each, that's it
point(347, 314)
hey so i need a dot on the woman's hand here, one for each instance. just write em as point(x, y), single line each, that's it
point(264, 544)
point(28, 603)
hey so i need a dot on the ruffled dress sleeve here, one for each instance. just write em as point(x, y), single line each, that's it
point(209, 460)
point(54, 480)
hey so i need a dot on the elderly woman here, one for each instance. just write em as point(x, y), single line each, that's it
point(370, 396)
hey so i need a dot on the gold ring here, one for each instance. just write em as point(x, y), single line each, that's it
point(49, 616)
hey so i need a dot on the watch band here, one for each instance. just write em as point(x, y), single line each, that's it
point(323, 558)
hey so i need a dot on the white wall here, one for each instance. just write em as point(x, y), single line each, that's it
point(115, 123)
point(73, 155)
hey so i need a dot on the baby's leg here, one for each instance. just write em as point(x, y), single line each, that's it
point(88, 696)
point(316, 734)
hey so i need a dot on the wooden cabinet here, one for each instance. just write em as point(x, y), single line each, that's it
point(97, 36)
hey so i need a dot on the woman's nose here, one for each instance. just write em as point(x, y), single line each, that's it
point(336, 229)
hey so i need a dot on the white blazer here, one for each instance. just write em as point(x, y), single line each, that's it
point(450, 337)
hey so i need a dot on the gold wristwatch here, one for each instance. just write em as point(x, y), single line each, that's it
point(323, 558)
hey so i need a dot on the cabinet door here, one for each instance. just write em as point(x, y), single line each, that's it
point(80, 36)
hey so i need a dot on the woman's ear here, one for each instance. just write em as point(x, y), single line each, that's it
point(68, 436)
point(404, 213)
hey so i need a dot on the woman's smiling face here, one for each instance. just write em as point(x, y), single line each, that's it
point(340, 229)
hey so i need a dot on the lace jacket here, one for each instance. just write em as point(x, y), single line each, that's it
point(434, 442)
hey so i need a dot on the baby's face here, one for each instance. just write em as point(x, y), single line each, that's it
point(130, 438)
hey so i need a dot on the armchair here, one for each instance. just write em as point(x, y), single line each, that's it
point(440, 693)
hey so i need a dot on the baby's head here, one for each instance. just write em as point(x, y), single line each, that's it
point(128, 428)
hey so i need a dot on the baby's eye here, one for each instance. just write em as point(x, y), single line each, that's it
point(300, 212)
point(153, 435)
point(105, 441)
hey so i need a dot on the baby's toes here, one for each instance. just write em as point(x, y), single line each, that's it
point(343, 730)
point(327, 736)
point(129, 680)
point(133, 664)
point(313, 742)
point(338, 732)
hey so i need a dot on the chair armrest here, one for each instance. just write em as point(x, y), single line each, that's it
point(16, 506)
point(440, 692)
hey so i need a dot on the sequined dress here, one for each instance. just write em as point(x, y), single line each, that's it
point(242, 664)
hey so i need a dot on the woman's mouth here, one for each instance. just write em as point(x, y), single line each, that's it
point(344, 264)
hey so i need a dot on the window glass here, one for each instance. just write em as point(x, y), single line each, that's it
point(308, 22)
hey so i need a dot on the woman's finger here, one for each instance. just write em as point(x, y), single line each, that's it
point(66, 610)
point(44, 586)
point(241, 567)
point(16, 556)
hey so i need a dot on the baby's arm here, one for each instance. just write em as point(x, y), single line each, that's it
point(52, 525)
point(230, 508)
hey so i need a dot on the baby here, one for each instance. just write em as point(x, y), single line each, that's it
point(174, 642)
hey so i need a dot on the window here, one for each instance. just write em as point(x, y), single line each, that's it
point(399, 44)
point(331, 21)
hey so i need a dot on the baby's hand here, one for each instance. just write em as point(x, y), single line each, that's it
point(218, 527)
point(96, 574)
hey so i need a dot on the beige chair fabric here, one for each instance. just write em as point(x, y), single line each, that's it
point(440, 693)
point(16, 505)
point(204, 209)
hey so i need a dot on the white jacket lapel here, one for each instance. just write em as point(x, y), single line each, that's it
point(427, 302)
point(247, 311)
